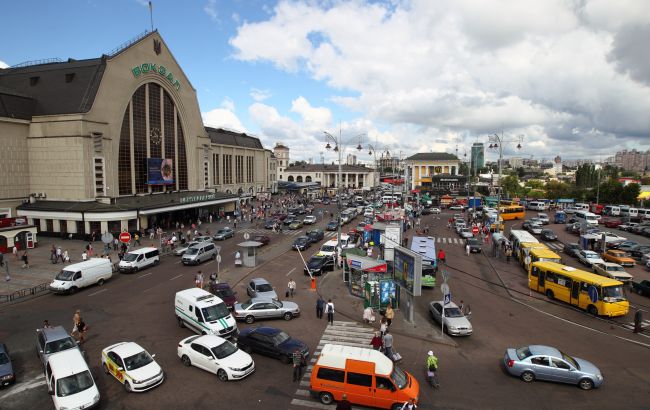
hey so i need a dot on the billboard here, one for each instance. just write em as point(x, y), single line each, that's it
point(160, 171)
point(407, 267)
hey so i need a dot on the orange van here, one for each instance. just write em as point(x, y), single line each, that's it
point(366, 376)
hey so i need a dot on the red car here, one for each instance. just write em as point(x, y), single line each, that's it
point(262, 238)
point(612, 222)
point(225, 292)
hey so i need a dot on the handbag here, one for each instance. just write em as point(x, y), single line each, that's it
point(286, 294)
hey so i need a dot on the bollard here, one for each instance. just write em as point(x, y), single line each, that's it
point(313, 284)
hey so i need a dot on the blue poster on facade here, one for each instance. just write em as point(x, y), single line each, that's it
point(160, 171)
point(386, 291)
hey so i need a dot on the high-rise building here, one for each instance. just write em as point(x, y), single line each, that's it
point(632, 160)
point(478, 157)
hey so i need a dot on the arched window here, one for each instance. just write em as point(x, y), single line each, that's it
point(290, 178)
point(308, 178)
point(299, 178)
point(157, 133)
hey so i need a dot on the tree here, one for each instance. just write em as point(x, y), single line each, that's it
point(535, 194)
point(630, 193)
point(556, 190)
point(510, 186)
point(535, 184)
point(610, 192)
point(298, 163)
point(463, 169)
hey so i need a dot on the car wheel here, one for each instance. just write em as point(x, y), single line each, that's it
point(326, 398)
point(586, 384)
point(100, 282)
point(286, 359)
point(186, 360)
point(396, 406)
point(156, 262)
point(73, 290)
point(528, 377)
point(550, 295)
point(180, 322)
point(222, 375)
point(214, 256)
point(249, 319)
point(592, 310)
point(127, 387)
point(287, 316)
point(105, 368)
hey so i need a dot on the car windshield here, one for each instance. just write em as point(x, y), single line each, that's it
point(264, 287)
point(215, 312)
point(453, 312)
point(74, 384)
point(225, 293)
point(130, 257)
point(4, 359)
point(614, 268)
point(246, 305)
point(225, 349)
point(472, 241)
point(316, 260)
point(221, 232)
point(399, 377)
point(60, 345)
point(571, 360)
point(327, 248)
point(192, 251)
point(65, 275)
point(137, 361)
point(280, 338)
point(613, 293)
point(523, 352)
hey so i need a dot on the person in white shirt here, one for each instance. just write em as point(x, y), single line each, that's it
point(84, 256)
point(329, 309)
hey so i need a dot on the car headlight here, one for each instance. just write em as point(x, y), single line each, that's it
point(599, 376)
point(452, 327)
point(96, 398)
point(236, 369)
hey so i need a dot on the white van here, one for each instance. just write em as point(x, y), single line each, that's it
point(139, 259)
point(588, 217)
point(69, 381)
point(537, 206)
point(199, 253)
point(582, 207)
point(631, 213)
point(612, 210)
point(82, 274)
point(328, 248)
point(204, 313)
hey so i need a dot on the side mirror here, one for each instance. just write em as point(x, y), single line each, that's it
point(40, 352)
point(153, 355)
point(120, 369)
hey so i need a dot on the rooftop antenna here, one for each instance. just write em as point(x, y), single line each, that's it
point(151, 15)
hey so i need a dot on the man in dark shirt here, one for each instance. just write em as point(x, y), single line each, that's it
point(296, 358)
point(344, 404)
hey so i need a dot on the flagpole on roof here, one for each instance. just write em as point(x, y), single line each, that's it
point(151, 15)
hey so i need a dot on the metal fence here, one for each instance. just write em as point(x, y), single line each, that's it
point(21, 293)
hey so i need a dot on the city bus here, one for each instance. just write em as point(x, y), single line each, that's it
point(524, 250)
point(542, 255)
point(596, 294)
point(518, 236)
point(511, 212)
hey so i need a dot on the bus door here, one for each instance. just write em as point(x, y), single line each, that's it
point(575, 293)
point(540, 280)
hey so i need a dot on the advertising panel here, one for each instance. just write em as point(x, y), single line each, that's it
point(408, 270)
point(160, 171)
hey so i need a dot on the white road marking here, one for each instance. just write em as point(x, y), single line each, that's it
point(21, 387)
point(289, 273)
point(98, 292)
point(176, 277)
point(146, 274)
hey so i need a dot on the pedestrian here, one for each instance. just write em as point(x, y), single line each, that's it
point(383, 325)
point(508, 254)
point(409, 405)
point(59, 254)
point(291, 287)
point(344, 404)
point(467, 249)
point(14, 250)
point(390, 314)
point(53, 258)
point(369, 252)
point(46, 324)
point(6, 266)
point(214, 278)
point(388, 344)
point(320, 304)
point(368, 315)
point(198, 280)
point(638, 320)
point(84, 255)
point(25, 259)
point(376, 341)
point(296, 357)
point(78, 326)
point(329, 309)
point(66, 256)
point(461, 305)
point(441, 256)
point(136, 238)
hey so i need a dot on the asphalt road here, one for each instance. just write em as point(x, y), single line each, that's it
point(139, 307)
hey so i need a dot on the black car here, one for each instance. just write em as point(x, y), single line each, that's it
point(571, 249)
point(425, 211)
point(318, 264)
point(474, 245)
point(332, 226)
point(289, 219)
point(315, 235)
point(270, 223)
point(639, 250)
point(272, 342)
point(549, 235)
point(301, 243)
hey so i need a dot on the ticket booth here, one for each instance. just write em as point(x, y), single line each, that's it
point(249, 253)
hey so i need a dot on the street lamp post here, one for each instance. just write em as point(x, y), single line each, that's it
point(497, 142)
point(339, 148)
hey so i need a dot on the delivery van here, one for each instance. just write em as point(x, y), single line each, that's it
point(139, 259)
point(200, 252)
point(365, 376)
point(79, 275)
point(69, 381)
point(204, 313)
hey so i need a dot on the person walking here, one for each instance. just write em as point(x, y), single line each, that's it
point(79, 327)
point(53, 258)
point(84, 255)
point(320, 305)
point(441, 256)
point(508, 254)
point(383, 325)
point(198, 280)
point(291, 287)
point(376, 341)
point(66, 256)
point(5, 264)
point(467, 249)
point(409, 405)
point(59, 254)
point(432, 367)
point(25, 259)
point(136, 238)
point(329, 309)
point(296, 359)
point(390, 314)
point(344, 403)
point(388, 344)
point(638, 321)
point(14, 250)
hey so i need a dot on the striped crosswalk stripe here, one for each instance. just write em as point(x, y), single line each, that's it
point(644, 325)
point(341, 333)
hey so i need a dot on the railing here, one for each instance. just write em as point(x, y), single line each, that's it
point(37, 62)
point(128, 43)
point(24, 292)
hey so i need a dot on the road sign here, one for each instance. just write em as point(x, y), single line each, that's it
point(125, 237)
point(475, 230)
point(247, 236)
point(218, 258)
point(447, 298)
point(107, 237)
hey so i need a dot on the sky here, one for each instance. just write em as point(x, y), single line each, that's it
point(566, 77)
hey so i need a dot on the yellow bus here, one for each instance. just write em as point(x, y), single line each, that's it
point(542, 255)
point(511, 212)
point(596, 294)
point(525, 248)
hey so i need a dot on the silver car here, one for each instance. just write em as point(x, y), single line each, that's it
point(548, 363)
point(543, 218)
point(261, 288)
point(535, 228)
point(183, 248)
point(466, 233)
point(51, 340)
point(265, 308)
point(455, 321)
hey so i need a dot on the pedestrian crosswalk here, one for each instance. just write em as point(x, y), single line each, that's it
point(341, 333)
point(555, 245)
point(645, 325)
point(286, 232)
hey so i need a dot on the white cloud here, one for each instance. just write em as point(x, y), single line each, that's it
point(223, 117)
point(464, 68)
point(228, 104)
point(259, 95)
point(210, 9)
point(3, 64)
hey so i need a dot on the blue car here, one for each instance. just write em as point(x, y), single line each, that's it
point(7, 375)
point(271, 341)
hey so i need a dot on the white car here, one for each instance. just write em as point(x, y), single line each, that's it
point(435, 210)
point(216, 355)
point(466, 233)
point(309, 219)
point(589, 258)
point(543, 218)
point(456, 207)
point(132, 366)
point(368, 212)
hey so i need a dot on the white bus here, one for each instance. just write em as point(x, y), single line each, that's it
point(518, 237)
point(587, 217)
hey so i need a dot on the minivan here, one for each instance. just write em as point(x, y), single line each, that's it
point(82, 274)
point(139, 259)
point(612, 210)
point(366, 376)
point(537, 206)
point(588, 217)
point(204, 313)
point(200, 253)
point(69, 381)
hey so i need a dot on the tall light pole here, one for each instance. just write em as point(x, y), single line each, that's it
point(339, 148)
point(373, 151)
point(497, 142)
